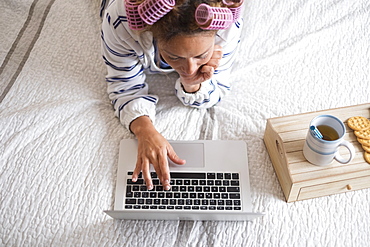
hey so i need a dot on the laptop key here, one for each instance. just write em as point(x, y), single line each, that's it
point(176, 195)
point(139, 181)
point(234, 196)
point(143, 188)
point(178, 207)
point(169, 195)
point(233, 189)
point(220, 202)
point(159, 188)
point(187, 175)
point(234, 183)
point(237, 202)
point(130, 201)
point(200, 195)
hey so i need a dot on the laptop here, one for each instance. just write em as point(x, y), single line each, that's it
point(212, 185)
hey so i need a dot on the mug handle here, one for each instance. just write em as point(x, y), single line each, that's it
point(351, 150)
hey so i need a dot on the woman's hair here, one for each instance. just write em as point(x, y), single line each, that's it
point(181, 20)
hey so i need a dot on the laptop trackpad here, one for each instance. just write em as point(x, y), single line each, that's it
point(193, 153)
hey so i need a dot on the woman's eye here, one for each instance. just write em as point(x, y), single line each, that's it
point(173, 58)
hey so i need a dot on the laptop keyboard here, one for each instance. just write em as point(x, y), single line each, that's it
point(189, 191)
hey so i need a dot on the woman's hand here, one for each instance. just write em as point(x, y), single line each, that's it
point(153, 149)
point(205, 72)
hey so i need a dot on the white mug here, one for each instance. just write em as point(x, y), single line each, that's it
point(322, 143)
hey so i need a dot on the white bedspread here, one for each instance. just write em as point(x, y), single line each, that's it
point(59, 137)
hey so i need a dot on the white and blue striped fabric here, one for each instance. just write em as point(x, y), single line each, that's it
point(128, 54)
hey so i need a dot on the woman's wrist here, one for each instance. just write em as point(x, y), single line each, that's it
point(141, 124)
point(191, 88)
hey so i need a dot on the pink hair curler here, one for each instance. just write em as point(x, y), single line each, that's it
point(135, 22)
point(213, 18)
point(235, 6)
point(153, 10)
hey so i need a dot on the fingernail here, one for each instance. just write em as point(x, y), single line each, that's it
point(150, 187)
point(134, 179)
point(167, 187)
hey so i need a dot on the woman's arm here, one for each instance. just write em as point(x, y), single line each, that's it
point(126, 89)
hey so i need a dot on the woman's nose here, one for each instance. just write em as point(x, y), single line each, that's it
point(190, 67)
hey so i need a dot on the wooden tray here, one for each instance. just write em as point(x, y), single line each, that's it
point(284, 138)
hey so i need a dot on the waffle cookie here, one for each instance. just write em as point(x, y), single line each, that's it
point(363, 134)
point(358, 123)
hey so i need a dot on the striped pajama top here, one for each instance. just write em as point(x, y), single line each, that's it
point(128, 54)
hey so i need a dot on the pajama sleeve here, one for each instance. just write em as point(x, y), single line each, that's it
point(126, 88)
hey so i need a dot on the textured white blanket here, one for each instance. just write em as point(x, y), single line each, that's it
point(59, 137)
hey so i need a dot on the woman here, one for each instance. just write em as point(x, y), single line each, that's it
point(175, 42)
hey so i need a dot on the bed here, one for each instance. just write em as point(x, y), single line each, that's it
point(59, 137)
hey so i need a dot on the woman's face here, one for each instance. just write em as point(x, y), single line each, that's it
point(186, 54)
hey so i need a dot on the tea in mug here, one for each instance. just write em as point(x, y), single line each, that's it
point(328, 133)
